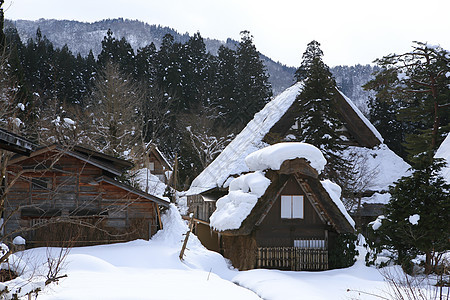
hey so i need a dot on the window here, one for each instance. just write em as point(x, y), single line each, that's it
point(41, 183)
point(292, 207)
point(310, 244)
point(152, 166)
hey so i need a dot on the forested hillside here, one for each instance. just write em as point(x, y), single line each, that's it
point(178, 96)
point(82, 37)
point(186, 94)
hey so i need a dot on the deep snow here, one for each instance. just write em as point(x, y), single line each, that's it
point(152, 270)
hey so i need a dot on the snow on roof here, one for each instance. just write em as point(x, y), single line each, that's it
point(389, 167)
point(233, 208)
point(272, 157)
point(377, 198)
point(334, 191)
point(444, 152)
point(231, 160)
point(382, 167)
point(363, 118)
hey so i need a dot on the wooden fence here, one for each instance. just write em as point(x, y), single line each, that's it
point(292, 258)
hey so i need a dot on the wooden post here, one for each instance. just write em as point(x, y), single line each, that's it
point(158, 212)
point(186, 238)
point(174, 179)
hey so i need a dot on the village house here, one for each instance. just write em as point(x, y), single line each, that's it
point(271, 126)
point(59, 194)
point(280, 215)
point(159, 165)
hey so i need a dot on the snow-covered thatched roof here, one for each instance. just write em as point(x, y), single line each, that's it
point(444, 152)
point(249, 195)
point(231, 161)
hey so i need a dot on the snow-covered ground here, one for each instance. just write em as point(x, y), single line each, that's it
point(152, 270)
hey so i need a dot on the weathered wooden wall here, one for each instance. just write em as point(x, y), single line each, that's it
point(200, 208)
point(277, 232)
point(72, 193)
point(209, 238)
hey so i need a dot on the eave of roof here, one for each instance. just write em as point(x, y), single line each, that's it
point(95, 162)
point(15, 143)
point(133, 190)
point(98, 155)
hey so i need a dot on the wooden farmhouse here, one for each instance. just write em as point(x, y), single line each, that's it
point(294, 223)
point(70, 196)
point(270, 126)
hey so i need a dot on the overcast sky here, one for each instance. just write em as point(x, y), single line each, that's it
point(350, 31)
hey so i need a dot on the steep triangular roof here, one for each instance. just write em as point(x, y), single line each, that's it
point(278, 116)
point(322, 195)
point(108, 163)
point(231, 160)
point(154, 150)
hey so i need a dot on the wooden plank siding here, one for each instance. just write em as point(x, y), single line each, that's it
point(68, 190)
point(275, 231)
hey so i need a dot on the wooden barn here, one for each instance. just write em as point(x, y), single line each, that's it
point(270, 126)
point(58, 195)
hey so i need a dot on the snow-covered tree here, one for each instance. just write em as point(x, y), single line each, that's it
point(114, 109)
point(317, 120)
point(415, 221)
point(420, 79)
point(253, 87)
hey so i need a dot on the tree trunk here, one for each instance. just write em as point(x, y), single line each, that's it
point(428, 263)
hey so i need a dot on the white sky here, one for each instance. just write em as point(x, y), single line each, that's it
point(350, 31)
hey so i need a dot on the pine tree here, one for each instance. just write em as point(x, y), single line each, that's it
point(38, 67)
point(117, 52)
point(195, 71)
point(226, 88)
point(146, 65)
point(169, 71)
point(416, 218)
point(2, 23)
point(384, 109)
point(423, 85)
point(317, 120)
point(253, 87)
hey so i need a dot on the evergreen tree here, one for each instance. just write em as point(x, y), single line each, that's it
point(226, 88)
point(39, 68)
point(146, 65)
point(384, 108)
point(253, 88)
point(169, 70)
point(317, 119)
point(423, 85)
point(195, 71)
point(66, 77)
point(2, 23)
point(117, 52)
point(416, 218)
